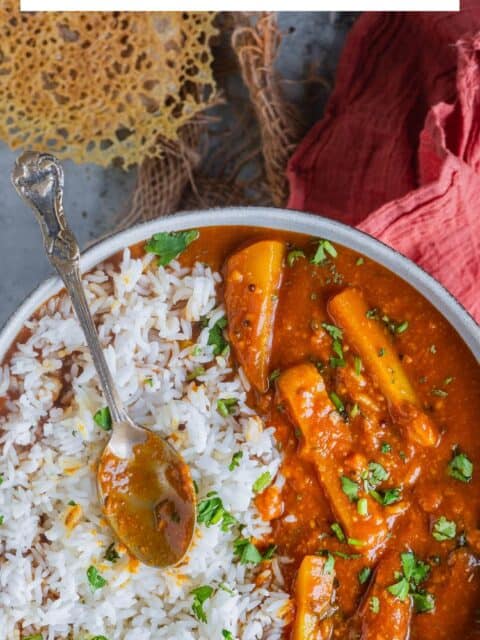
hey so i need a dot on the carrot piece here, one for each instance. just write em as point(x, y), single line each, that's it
point(313, 596)
point(379, 606)
point(253, 279)
point(371, 341)
point(326, 442)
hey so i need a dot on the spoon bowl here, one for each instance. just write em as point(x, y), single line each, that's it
point(145, 487)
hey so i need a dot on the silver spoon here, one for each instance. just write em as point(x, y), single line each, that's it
point(144, 485)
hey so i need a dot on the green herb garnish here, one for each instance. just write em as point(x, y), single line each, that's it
point(364, 574)
point(246, 552)
point(362, 507)
point(195, 373)
point(216, 338)
point(200, 596)
point(358, 365)
point(227, 634)
point(103, 419)
point(444, 529)
point(350, 488)
point(211, 511)
point(111, 554)
point(274, 375)
point(262, 482)
point(338, 531)
point(359, 261)
point(227, 406)
point(293, 256)
point(460, 468)
point(385, 448)
point(339, 406)
point(169, 245)
point(374, 604)
point(414, 572)
point(235, 460)
point(387, 497)
point(95, 580)
point(324, 247)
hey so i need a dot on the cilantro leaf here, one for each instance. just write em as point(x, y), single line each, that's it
point(444, 529)
point(246, 552)
point(349, 488)
point(334, 332)
point(95, 580)
point(293, 256)
point(262, 482)
point(374, 604)
point(227, 406)
point(216, 338)
point(200, 596)
point(387, 497)
point(169, 245)
point(460, 468)
point(211, 511)
point(400, 589)
point(38, 636)
point(111, 554)
point(227, 634)
point(103, 419)
point(364, 574)
point(235, 460)
point(324, 247)
point(423, 602)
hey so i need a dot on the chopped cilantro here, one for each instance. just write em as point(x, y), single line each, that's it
point(324, 247)
point(385, 448)
point(349, 488)
point(423, 602)
point(211, 511)
point(200, 596)
point(216, 338)
point(374, 604)
point(103, 419)
point(358, 365)
point(246, 552)
point(339, 406)
point(362, 507)
point(148, 382)
point(262, 482)
point(460, 468)
point(364, 574)
point(359, 261)
point(444, 529)
point(334, 332)
point(448, 380)
point(354, 411)
point(72, 503)
point(338, 531)
point(2, 519)
point(39, 636)
point(1, 478)
point(227, 406)
point(227, 634)
point(195, 373)
point(274, 375)
point(95, 580)
point(111, 554)
point(169, 245)
point(387, 497)
point(403, 326)
point(99, 638)
point(374, 475)
point(440, 393)
point(381, 352)
point(372, 314)
point(293, 256)
point(432, 349)
point(400, 589)
point(269, 552)
point(235, 460)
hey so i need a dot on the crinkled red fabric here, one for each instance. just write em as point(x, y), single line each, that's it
point(398, 151)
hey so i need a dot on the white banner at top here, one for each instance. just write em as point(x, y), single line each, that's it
point(240, 5)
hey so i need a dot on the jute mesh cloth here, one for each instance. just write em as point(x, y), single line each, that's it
point(175, 181)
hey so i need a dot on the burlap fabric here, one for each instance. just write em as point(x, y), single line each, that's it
point(253, 173)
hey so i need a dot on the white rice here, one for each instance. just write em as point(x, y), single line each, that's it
point(48, 454)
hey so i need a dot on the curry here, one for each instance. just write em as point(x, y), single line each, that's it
point(375, 400)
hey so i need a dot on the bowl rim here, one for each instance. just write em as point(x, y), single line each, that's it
point(264, 217)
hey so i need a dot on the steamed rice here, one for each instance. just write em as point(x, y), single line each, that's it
point(53, 528)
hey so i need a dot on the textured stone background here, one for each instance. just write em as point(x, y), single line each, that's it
point(94, 197)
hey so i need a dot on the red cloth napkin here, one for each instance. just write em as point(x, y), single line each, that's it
point(398, 151)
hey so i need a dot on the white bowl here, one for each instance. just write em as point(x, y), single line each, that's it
point(288, 220)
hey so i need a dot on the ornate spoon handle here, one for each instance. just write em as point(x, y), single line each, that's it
point(38, 179)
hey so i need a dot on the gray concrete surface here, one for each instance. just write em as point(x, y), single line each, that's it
point(94, 197)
